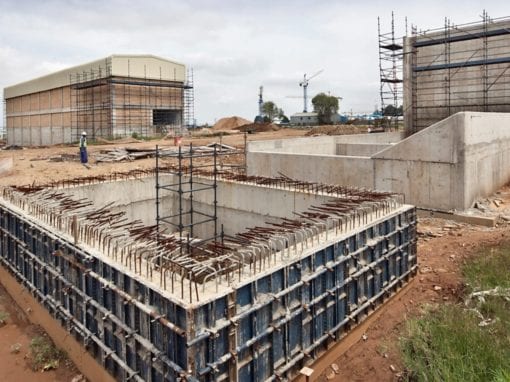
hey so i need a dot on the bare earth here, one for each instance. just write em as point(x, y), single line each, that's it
point(369, 355)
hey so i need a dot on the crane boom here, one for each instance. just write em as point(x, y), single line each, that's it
point(316, 74)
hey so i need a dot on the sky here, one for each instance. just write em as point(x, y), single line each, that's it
point(233, 46)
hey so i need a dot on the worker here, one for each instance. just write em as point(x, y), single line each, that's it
point(83, 148)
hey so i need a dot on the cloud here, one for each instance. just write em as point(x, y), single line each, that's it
point(233, 46)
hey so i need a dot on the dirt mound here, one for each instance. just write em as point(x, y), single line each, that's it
point(337, 130)
point(258, 127)
point(230, 123)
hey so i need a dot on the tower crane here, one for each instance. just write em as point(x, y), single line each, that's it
point(304, 84)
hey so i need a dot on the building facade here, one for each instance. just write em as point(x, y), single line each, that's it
point(455, 69)
point(117, 96)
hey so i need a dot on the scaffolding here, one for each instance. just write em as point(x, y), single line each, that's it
point(390, 72)
point(3, 128)
point(108, 106)
point(183, 183)
point(458, 68)
point(189, 102)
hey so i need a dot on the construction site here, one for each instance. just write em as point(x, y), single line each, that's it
point(268, 256)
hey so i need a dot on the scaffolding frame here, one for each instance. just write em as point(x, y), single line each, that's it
point(390, 70)
point(470, 78)
point(108, 106)
point(3, 129)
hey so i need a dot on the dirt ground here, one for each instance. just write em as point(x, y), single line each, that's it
point(15, 337)
point(31, 165)
point(442, 248)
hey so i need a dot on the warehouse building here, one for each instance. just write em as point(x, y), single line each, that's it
point(116, 96)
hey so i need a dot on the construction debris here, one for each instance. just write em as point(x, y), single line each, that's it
point(120, 154)
point(258, 127)
point(337, 130)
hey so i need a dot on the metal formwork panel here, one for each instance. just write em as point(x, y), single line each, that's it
point(286, 318)
point(265, 329)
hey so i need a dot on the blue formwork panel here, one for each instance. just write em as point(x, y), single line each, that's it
point(266, 328)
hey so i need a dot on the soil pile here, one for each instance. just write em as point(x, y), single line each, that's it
point(230, 123)
point(258, 127)
point(337, 130)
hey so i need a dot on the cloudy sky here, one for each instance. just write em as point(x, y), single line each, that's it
point(233, 46)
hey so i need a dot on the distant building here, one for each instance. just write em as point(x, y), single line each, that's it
point(454, 69)
point(311, 119)
point(116, 96)
point(304, 119)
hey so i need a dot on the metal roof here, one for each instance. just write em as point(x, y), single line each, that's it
point(310, 114)
point(137, 66)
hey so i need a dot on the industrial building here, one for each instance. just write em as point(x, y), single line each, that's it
point(304, 119)
point(189, 273)
point(455, 68)
point(116, 96)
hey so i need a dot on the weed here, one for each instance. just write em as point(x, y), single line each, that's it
point(450, 344)
point(44, 354)
point(3, 318)
point(489, 270)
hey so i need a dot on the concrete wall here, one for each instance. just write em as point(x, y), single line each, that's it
point(445, 166)
point(239, 205)
point(363, 149)
point(331, 169)
point(42, 118)
point(452, 70)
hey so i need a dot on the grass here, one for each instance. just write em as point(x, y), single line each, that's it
point(448, 344)
point(44, 354)
point(3, 318)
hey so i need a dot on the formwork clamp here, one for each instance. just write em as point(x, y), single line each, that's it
point(213, 333)
point(157, 318)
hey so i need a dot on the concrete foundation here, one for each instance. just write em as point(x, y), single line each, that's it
point(298, 265)
point(445, 167)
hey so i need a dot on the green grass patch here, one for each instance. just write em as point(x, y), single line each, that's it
point(459, 342)
point(490, 269)
point(44, 354)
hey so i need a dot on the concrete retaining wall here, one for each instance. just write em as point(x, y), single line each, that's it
point(446, 166)
point(363, 149)
point(239, 205)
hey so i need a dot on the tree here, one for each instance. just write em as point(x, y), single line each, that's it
point(392, 111)
point(325, 106)
point(270, 109)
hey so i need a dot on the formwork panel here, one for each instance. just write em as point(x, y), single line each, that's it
point(263, 322)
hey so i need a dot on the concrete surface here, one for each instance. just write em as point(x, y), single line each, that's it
point(444, 167)
point(239, 205)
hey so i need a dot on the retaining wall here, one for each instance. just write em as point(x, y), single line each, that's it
point(445, 166)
